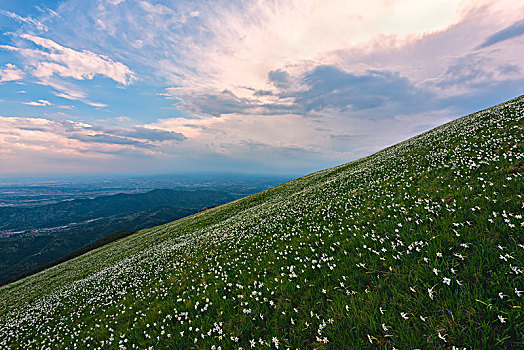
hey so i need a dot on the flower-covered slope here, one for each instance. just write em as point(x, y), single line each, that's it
point(420, 245)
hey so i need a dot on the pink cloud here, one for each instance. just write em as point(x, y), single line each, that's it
point(9, 72)
point(40, 103)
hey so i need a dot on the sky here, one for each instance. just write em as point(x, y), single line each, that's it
point(259, 87)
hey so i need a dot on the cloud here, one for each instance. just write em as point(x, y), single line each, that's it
point(279, 78)
point(137, 136)
point(9, 72)
point(513, 31)
point(27, 20)
point(233, 45)
point(69, 91)
point(289, 141)
point(239, 56)
point(66, 62)
point(211, 103)
point(157, 9)
point(477, 70)
point(107, 139)
point(51, 62)
point(38, 103)
point(66, 136)
point(331, 87)
point(266, 46)
point(295, 57)
point(323, 87)
point(139, 132)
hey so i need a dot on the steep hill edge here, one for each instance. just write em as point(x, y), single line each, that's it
point(436, 172)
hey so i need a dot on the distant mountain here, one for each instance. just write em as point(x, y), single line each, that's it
point(79, 210)
point(35, 236)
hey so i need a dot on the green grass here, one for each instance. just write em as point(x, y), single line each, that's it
point(417, 246)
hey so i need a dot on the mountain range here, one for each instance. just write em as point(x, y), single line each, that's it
point(31, 237)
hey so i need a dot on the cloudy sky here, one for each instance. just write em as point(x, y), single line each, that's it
point(161, 86)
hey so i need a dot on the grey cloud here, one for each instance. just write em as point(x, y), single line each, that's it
point(126, 151)
point(486, 95)
point(465, 69)
point(263, 93)
point(321, 88)
point(226, 102)
point(136, 136)
point(140, 132)
point(507, 69)
point(331, 87)
point(217, 104)
point(33, 128)
point(345, 136)
point(279, 78)
point(475, 69)
point(108, 139)
point(513, 31)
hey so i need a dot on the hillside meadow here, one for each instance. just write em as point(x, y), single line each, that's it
point(420, 245)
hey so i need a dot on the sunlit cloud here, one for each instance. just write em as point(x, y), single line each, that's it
point(38, 103)
point(123, 118)
point(53, 58)
point(27, 20)
point(69, 91)
point(51, 61)
point(9, 72)
point(19, 135)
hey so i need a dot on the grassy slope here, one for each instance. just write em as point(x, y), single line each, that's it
point(349, 257)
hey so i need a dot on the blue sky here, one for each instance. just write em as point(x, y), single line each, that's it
point(143, 86)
